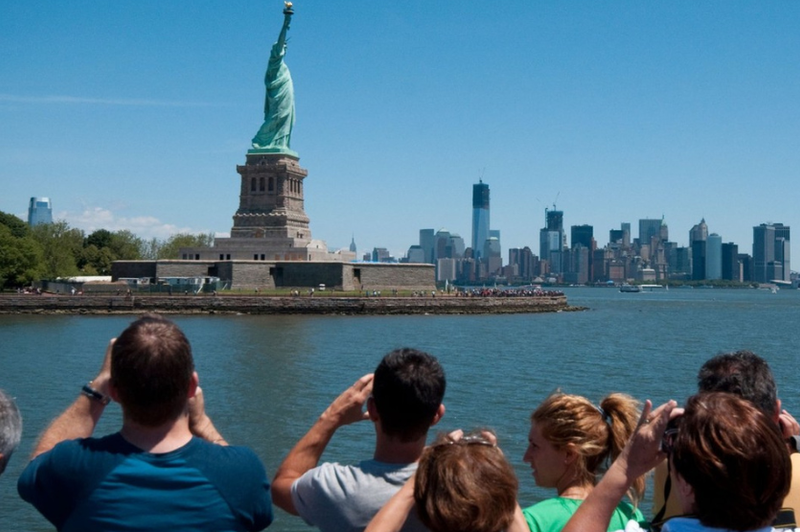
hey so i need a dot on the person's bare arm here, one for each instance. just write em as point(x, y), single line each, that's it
point(640, 455)
point(305, 455)
point(518, 524)
point(199, 422)
point(81, 417)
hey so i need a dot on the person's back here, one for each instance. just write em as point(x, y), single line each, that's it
point(166, 469)
point(404, 399)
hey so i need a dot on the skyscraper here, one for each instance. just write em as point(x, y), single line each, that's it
point(552, 240)
point(771, 253)
point(714, 257)
point(648, 228)
point(697, 242)
point(480, 217)
point(731, 269)
point(427, 243)
point(40, 211)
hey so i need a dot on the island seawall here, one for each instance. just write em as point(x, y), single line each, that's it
point(230, 304)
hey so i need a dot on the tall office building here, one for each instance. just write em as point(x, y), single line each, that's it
point(524, 260)
point(714, 257)
point(771, 253)
point(427, 243)
point(583, 235)
point(697, 242)
point(626, 234)
point(480, 217)
point(40, 211)
point(649, 228)
point(731, 267)
point(699, 231)
point(583, 245)
point(552, 240)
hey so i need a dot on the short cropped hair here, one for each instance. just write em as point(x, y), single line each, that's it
point(408, 388)
point(151, 370)
point(742, 373)
point(597, 434)
point(10, 428)
point(735, 460)
point(466, 486)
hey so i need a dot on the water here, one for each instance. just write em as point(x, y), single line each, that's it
point(267, 378)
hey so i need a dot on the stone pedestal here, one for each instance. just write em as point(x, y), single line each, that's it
point(271, 201)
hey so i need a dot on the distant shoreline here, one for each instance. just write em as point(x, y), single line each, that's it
point(251, 304)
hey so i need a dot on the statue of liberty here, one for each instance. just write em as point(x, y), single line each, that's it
point(276, 132)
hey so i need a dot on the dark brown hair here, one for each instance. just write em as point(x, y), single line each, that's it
point(151, 369)
point(735, 460)
point(742, 373)
point(465, 486)
point(408, 389)
point(598, 435)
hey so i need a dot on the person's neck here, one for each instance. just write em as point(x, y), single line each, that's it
point(576, 491)
point(570, 485)
point(393, 451)
point(164, 438)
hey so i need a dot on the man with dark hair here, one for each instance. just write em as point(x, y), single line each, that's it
point(10, 429)
point(742, 373)
point(747, 375)
point(167, 468)
point(403, 399)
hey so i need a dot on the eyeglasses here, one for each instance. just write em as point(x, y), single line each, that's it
point(668, 440)
point(469, 439)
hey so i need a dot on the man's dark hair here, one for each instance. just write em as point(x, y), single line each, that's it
point(151, 369)
point(408, 389)
point(742, 373)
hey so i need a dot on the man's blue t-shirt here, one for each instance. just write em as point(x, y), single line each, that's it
point(108, 484)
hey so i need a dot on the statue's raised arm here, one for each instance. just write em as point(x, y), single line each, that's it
point(275, 133)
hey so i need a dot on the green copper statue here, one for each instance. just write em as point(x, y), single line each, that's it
point(276, 132)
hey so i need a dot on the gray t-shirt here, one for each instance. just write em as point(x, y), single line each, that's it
point(345, 498)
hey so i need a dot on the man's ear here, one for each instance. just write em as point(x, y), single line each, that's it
point(372, 410)
point(438, 415)
point(194, 382)
point(112, 392)
point(777, 414)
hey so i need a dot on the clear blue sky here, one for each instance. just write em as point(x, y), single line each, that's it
point(134, 115)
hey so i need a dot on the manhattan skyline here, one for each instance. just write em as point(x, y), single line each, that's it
point(135, 117)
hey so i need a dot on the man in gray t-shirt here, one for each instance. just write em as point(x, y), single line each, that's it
point(403, 399)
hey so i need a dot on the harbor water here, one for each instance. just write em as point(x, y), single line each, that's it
point(267, 378)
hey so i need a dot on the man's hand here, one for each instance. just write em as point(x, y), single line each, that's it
point(100, 383)
point(345, 409)
point(788, 424)
point(199, 422)
point(349, 406)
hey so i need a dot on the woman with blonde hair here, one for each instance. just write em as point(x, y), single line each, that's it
point(570, 443)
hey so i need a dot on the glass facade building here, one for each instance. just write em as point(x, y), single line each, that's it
point(40, 211)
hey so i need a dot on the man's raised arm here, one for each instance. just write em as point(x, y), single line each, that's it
point(81, 417)
point(305, 455)
point(199, 423)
